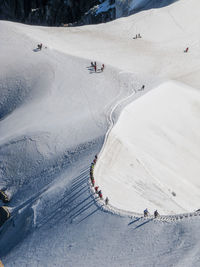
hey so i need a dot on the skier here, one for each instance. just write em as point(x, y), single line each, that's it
point(106, 201)
point(40, 46)
point(100, 194)
point(146, 212)
point(96, 157)
point(95, 68)
point(91, 177)
point(156, 214)
point(93, 182)
point(96, 189)
point(142, 88)
point(102, 67)
point(186, 50)
point(92, 64)
point(92, 166)
point(139, 36)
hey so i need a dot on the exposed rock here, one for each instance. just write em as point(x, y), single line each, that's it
point(73, 12)
point(45, 12)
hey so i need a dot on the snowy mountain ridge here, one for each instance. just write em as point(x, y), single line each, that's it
point(56, 112)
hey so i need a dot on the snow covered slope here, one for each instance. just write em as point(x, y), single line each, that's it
point(55, 112)
point(151, 158)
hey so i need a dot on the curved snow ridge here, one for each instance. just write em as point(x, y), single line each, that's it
point(111, 115)
point(183, 102)
point(115, 211)
point(163, 218)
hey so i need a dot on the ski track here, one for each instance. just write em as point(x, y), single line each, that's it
point(111, 209)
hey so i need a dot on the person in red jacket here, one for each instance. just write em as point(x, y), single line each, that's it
point(100, 194)
point(96, 189)
point(93, 182)
point(102, 67)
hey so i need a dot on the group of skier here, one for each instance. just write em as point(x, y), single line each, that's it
point(97, 191)
point(94, 65)
point(137, 36)
point(146, 213)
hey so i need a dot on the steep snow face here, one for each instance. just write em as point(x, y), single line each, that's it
point(151, 158)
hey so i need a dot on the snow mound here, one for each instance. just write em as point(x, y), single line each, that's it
point(151, 157)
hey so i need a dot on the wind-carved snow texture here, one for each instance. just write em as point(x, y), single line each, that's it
point(52, 129)
point(18, 88)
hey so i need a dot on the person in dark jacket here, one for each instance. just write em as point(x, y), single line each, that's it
point(156, 214)
point(146, 212)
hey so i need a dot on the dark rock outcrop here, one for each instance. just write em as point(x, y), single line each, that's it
point(45, 12)
point(73, 12)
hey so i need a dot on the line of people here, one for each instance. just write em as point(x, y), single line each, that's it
point(94, 65)
point(97, 191)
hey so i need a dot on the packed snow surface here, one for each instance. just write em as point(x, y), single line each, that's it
point(56, 114)
point(151, 158)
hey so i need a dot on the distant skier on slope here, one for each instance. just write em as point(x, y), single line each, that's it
point(92, 166)
point(100, 194)
point(96, 189)
point(91, 177)
point(146, 212)
point(102, 67)
point(93, 182)
point(156, 214)
point(40, 46)
point(186, 50)
point(106, 201)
